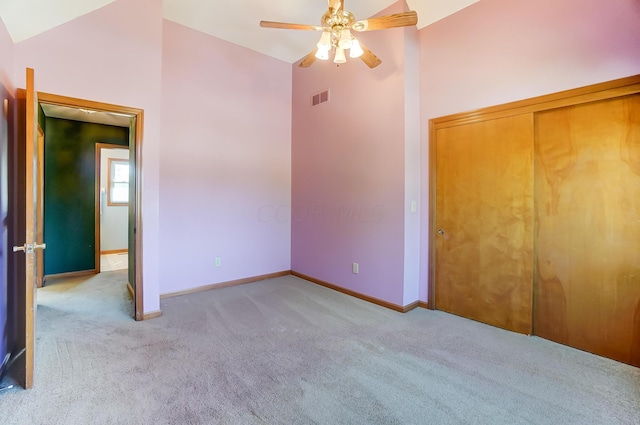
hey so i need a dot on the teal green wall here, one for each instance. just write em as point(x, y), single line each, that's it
point(69, 191)
point(42, 118)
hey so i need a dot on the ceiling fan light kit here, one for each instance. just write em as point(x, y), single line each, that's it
point(336, 26)
point(355, 51)
point(325, 41)
point(339, 56)
point(322, 54)
point(329, 40)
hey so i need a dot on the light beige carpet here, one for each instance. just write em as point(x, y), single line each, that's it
point(285, 351)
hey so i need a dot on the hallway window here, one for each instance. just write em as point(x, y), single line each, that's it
point(118, 176)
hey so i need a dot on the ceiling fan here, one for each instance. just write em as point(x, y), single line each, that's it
point(336, 26)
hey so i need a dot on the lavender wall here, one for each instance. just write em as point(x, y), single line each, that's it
point(225, 161)
point(348, 168)
point(7, 319)
point(111, 55)
point(217, 134)
point(219, 185)
point(497, 51)
point(412, 181)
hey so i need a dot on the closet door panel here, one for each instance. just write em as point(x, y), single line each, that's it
point(484, 220)
point(587, 192)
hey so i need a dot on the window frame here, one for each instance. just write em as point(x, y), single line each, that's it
point(112, 162)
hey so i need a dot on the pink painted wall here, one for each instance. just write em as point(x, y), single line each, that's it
point(225, 180)
point(498, 51)
point(412, 181)
point(351, 175)
point(6, 61)
point(111, 55)
point(348, 170)
point(217, 136)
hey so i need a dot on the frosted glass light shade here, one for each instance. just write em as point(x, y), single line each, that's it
point(325, 41)
point(322, 54)
point(339, 57)
point(345, 39)
point(356, 51)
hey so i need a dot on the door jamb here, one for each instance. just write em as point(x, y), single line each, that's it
point(40, 210)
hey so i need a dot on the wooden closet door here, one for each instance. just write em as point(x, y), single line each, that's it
point(484, 220)
point(587, 191)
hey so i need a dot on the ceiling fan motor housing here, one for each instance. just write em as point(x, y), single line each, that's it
point(336, 21)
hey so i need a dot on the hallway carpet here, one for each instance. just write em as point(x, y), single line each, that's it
point(286, 351)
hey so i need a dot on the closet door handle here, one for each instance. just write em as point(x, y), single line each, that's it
point(440, 232)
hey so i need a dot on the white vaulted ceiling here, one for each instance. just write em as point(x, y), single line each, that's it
point(236, 21)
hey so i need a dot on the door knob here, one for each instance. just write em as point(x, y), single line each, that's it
point(28, 248)
point(440, 232)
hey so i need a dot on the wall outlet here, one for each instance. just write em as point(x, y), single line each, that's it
point(218, 262)
point(355, 268)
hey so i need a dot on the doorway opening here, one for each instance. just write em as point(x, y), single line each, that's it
point(85, 111)
point(111, 206)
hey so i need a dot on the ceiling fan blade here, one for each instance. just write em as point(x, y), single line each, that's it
point(309, 59)
point(369, 57)
point(286, 26)
point(404, 19)
point(335, 5)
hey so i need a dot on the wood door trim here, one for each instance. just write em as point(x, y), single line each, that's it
point(139, 305)
point(359, 295)
point(30, 118)
point(138, 116)
point(55, 99)
point(591, 93)
point(40, 212)
point(69, 275)
point(226, 284)
point(595, 92)
point(431, 283)
point(114, 251)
